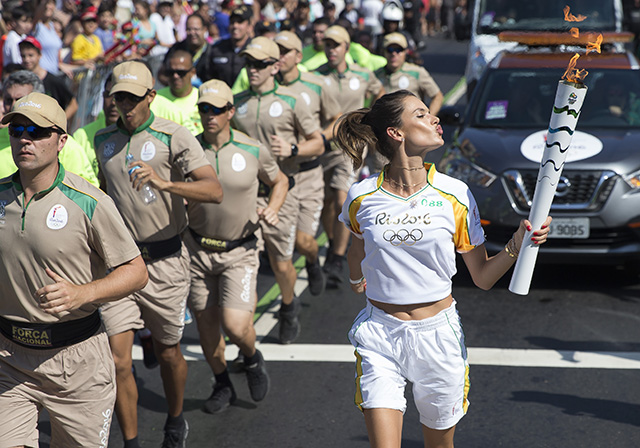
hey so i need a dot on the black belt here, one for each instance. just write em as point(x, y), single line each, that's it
point(264, 190)
point(48, 336)
point(217, 245)
point(159, 249)
point(311, 164)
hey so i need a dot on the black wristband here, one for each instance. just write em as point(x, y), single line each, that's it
point(294, 150)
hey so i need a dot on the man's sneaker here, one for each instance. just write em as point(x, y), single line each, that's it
point(148, 354)
point(316, 278)
point(258, 378)
point(334, 272)
point(176, 438)
point(289, 323)
point(237, 365)
point(221, 398)
point(327, 261)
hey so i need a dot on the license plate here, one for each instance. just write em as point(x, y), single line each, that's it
point(569, 228)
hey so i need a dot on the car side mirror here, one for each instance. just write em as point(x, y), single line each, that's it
point(451, 115)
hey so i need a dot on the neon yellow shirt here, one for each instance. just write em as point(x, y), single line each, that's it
point(312, 58)
point(72, 157)
point(187, 106)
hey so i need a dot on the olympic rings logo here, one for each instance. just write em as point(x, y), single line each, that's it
point(403, 236)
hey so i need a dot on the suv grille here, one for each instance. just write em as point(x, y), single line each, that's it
point(577, 190)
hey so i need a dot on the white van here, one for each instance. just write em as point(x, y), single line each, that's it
point(491, 17)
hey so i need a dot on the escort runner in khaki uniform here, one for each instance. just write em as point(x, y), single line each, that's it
point(281, 120)
point(223, 244)
point(165, 154)
point(401, 75)
point(58, 237)
point(320, 95)
point(356, 86)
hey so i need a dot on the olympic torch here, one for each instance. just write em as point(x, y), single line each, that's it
point(564, 118)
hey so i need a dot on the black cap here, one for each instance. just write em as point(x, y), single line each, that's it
point(241, 12)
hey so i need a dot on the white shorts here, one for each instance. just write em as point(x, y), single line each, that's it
point(430, 353)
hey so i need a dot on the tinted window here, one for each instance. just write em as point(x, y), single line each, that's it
point(524, 99)
point(502, 15)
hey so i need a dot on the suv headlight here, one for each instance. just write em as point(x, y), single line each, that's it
point(469, 173)
point(633, 180)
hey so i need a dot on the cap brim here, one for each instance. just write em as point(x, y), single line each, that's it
point(213, 100)
point(37, 119)
point(256, 54)
point(135, 89)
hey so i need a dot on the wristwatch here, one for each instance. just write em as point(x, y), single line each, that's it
point(294, 150)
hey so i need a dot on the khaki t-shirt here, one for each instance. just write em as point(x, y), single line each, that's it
point(73, 228)
point(238, 164)
point(355, 86)
point(277, 112)
point(410, 77)
point(172, 151)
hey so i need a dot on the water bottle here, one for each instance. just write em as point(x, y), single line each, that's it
point(146, 192)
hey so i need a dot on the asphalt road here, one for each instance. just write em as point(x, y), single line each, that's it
point(555, 368)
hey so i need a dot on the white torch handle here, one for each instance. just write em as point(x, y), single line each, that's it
point(564, 118)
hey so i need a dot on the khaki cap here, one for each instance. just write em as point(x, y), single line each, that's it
point(41, 109)
point(337, 34)
point(262, 48)
point(133, 77)
point(215, 92)
point(395, 39)
point(289, 40)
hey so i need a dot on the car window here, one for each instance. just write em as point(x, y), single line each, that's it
point(524, 99)
point(543, 15)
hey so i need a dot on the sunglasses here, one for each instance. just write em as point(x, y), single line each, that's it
point(392, 50)
point(130, 97)
point(180, 73)
point(211, 109)
point(33, 132)
point(258, 65)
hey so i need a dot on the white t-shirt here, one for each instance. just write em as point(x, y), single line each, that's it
point(410, 243)
point(10, 50)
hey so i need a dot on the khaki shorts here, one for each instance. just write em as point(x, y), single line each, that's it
point(310, 195)
point(227, 279)
point(338, 173)
point(75, 384)
point(159, 307)
point(280, 240)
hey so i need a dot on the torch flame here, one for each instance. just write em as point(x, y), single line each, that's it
point(572, 74)
point(568, 17)
point(594, 46)
point(575, 32)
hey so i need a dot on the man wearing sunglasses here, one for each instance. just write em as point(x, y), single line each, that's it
point(223, 243)
point(59, 235)
point(357, 87)
point(321, 96)
point(166, 154)
point(282, 121)
point(72, 156)
point(180, 70)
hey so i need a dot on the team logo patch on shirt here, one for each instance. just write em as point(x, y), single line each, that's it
point(148, 151)
point(403, 82)
point(276, 109)
point(108, 150)
point(354, 83)
point(243, 109)
point(307, 99)
point(57, 217)
point(238, 162)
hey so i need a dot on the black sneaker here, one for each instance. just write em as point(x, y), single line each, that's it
point(316, 278)
point(176, 438)
point(258, 378)
point(148, 354)
point(334, 271)
point(221, 398)
point(327, 261)
point(289, 323)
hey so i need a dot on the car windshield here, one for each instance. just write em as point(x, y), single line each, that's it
point(543, 15)
point(524, 99)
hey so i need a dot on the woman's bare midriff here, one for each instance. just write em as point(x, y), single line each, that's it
point(416, 311)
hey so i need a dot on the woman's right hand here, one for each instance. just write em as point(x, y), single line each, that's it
point(359, 288)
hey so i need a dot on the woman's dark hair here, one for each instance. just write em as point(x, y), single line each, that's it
point(366, 127)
